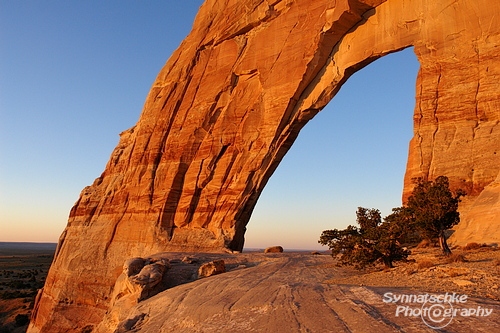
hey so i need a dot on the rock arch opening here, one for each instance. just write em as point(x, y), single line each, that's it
point(352, 153)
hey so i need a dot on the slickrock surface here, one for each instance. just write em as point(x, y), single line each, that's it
point(231, 101)
point(295, 292)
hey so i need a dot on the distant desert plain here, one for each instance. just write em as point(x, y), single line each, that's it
point(23, 268)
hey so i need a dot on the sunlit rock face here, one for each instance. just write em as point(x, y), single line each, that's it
point(480, 219)
point(230, 102)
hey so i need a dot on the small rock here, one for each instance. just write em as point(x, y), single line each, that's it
point(463, 283)
point(239, 267)
point(150, 275)
point(189, 260)
point(212, 268)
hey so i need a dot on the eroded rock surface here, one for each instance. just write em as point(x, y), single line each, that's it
point(290, 293)
point(230, 102)
point(141, 278)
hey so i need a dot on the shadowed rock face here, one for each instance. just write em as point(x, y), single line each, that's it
point(230, 102)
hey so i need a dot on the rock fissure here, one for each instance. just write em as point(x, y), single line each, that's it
point(113, 231)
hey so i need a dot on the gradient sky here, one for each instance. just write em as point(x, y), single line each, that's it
point(74, 74)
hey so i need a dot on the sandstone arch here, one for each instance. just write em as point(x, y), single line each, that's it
point(221, 115)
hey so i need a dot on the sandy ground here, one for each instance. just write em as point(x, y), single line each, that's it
point(301, 292)
point(478, 275)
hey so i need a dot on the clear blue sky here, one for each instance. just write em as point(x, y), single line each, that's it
point(74, 74)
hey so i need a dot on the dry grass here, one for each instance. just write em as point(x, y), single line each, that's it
point(456, 257)
point(432, 271)
point(426, 263)
point(424, 244)
point(472, 246)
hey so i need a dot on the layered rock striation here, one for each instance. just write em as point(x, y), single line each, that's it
point(230, 102)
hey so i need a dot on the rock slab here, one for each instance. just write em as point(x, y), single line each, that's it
point(288, 293)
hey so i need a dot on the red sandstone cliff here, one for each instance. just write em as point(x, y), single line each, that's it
point(230, 102)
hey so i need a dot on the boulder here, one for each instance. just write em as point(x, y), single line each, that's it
point(212, 268)
point(133, 266)
point(141, 278)
point(274, 249)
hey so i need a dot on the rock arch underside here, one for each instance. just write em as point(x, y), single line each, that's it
point(230, 102)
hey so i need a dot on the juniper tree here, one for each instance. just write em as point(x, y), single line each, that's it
point(434, 209)
point(371, 242)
